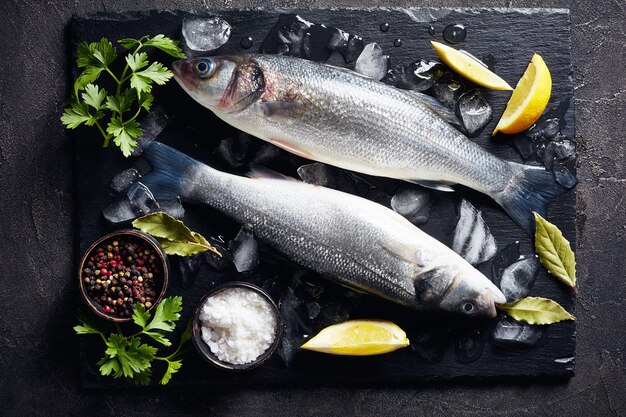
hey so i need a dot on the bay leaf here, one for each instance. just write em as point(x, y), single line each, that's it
point(555, 252)
point(536, 310)
point(173, 235)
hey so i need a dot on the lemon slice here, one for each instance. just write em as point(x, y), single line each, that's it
point(359, 338)
point(529, 99)
point(469, 67)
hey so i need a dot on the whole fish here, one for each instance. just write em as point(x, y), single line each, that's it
point(352, 240)
point(341, 118)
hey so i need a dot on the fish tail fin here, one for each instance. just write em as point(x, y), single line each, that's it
point(529, 190)
point(171, 171)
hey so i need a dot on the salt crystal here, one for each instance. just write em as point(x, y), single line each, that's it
point(238, 325)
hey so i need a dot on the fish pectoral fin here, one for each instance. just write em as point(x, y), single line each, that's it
point(289, 147)
point(283, 109)
point(401, 251)
point(434, 185)
point(441, 110)
point(259, 172)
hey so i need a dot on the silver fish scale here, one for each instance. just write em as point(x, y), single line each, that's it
point(367, 117)
point(319, 229)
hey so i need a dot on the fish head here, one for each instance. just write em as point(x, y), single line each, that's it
point(460, 289)
point(221, 83)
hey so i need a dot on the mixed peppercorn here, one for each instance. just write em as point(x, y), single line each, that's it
point(121, 274)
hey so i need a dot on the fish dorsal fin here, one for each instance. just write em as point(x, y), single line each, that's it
point(401, 250)
point(259, 172)
point(434, 185)
point(436, 106)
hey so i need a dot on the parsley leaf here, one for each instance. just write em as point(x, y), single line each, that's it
point(86, 328)
point(166, 314)
point(167, 45)
point(145, 100)
point(132, 91)
point(132, 355)
point(108, 366)
point(143, 377)
point(89, 75)
point(124, 134)
point(93, 96)
point(156, 72)
point(121, 103)
point(127, 356)
point(141, 316)
point(137, 61)
point(77, 114)
point(172, 368)
point(97, 54)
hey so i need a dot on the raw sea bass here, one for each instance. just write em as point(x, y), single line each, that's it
point(341, 118)
point(352, 240)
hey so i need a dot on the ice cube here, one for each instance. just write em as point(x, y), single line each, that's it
point(245, 251)
point(123, 180)
point(338, 40)
point(236, 152)
point(549, 153)
point(510, 332)
point(206, 268)
point(313, 309)
point(448, 91)
point(474, 111)
point(141, 199)
point(468, 345)
point(205, 33)
point(353, 49)
point(518, 279)
point(173, 207)
point(564, 177)
point(417, 76)
point(372, 62)
point(549, 128)
point(326, 176)
point(142, 166)
point(412, 203)
point(151, 125)
point(472, 238)
point(503, 260)
point(294, 330)
point(189, 267)
point(265, 154)
point(430, 344)
point(564, 150)
point(119, 212)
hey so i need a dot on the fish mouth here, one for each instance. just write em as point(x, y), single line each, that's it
point(184, 75)
point(493, 297)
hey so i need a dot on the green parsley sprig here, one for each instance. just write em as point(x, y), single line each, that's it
point(92, 105)
point(127, 356)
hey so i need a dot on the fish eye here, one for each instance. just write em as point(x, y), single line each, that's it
point(204, 68)
point(468, 307)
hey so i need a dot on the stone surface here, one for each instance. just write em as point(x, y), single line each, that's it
point(467, 352)
point(38, 351)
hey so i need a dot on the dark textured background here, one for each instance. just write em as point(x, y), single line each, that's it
point(38, 367)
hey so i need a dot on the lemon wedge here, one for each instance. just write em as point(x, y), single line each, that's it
point(359, 338)
point(469, 67)
point(529, 99)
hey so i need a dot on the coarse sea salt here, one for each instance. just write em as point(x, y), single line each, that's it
point(238, 325)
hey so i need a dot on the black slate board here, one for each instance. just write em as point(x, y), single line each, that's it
point(510, 35)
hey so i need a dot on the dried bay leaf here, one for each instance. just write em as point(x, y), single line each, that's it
point(173, 235)
point(555, 252)
point(536, 310)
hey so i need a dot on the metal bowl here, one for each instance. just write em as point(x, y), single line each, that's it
point(204, 350)
point(129, 234)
